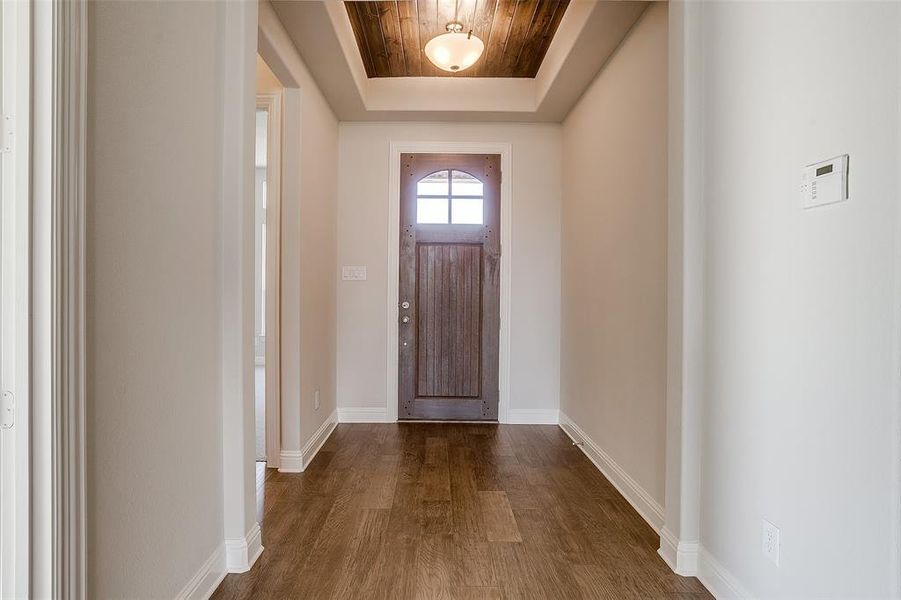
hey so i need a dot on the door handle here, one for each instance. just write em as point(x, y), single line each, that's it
point(405, 319)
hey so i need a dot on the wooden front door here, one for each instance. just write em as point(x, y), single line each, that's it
point(449, 286)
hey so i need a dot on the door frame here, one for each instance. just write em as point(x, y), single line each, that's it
point(396, 148)
point(16, 276)
point(272, 103)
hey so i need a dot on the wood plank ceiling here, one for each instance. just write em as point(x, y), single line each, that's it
point(391, 34)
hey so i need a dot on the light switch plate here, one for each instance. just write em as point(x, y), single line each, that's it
point(825, 182)
point(353, 273)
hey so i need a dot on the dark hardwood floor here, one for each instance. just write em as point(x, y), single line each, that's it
point(431, 510)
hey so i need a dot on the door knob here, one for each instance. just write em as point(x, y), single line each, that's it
point(405, 319)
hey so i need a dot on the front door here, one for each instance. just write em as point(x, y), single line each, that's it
point(449, 286)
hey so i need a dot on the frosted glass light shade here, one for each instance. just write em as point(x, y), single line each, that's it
point(454, 51)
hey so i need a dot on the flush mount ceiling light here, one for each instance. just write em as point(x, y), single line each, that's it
point(454, 51)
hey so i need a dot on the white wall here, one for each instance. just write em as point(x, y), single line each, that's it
point(157, 485)
point(309, 213)
point(613, 341)
point(363, 240)
point(802, 326)
point(154, 455)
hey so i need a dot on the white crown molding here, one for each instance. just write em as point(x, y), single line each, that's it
point(241, 553)
point(649, 509)
point(533, 416)
point(205, 581)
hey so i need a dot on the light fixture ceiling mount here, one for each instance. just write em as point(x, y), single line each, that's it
point(454, 51)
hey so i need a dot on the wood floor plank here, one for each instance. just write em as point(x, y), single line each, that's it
point(461, 511)
point(497, 514)
point(382, 482)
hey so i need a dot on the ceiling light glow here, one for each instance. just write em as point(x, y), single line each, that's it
point(454, 51)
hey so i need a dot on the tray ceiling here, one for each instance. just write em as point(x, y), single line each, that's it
point(587, 35)
point(517, 33)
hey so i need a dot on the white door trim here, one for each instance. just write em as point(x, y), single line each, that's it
point(58, 196)
point(396, 148)
point(272, 103)
point(70, 106)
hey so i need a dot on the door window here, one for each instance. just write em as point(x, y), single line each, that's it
point(449, 197)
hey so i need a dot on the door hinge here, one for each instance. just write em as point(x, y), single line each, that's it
point(7, 133)
point(7, 410)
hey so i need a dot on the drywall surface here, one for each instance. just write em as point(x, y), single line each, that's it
point(154, 412)
point(309, 233)
point(363, 240)
point(801, 408)
point(613, 340)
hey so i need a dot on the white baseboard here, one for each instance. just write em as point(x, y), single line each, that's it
point(295, 461)
point(311, 448)
point(206, 579)
point(363, 415)
point(533, 416)
point(690, 559)
point(636, 495)
point(682, 557)
point(515, 416)
point(290, 461)
point(241, 553)
point(718, 581)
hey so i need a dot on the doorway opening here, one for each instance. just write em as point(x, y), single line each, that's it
point(267, 252)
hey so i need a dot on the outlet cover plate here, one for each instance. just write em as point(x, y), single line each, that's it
point(771, 542)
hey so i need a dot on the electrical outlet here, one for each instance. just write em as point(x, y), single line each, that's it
point(316, 400)
point(771, 542)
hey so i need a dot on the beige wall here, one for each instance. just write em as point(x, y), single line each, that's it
point(363, 240)
point(613, 340)
point(154, 290)
point(266, 79)
point(309, 214)
point(154, 455)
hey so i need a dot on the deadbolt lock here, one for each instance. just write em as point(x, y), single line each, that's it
point(405, 304)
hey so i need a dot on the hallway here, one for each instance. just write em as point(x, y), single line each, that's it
point(428, 510)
